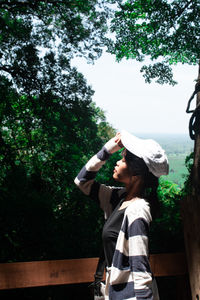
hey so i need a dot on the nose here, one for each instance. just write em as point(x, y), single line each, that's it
point(118, 162)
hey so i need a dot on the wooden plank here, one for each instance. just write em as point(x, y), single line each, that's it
point(168, 264)
point(44, 273)
point(58, 272)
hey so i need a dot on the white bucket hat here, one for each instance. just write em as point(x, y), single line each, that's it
point(149, 150)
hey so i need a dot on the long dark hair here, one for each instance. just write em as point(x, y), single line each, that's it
point(137, 166)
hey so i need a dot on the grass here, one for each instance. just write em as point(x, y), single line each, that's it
point(177, 169)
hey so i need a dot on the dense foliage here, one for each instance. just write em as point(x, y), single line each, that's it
point(44, 143)
point(167, 32)
point(166, 230)
point(49, 126)
point(80, 24)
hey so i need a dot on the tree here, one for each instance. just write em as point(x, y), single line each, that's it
point(168, 33)
point(61, 29)
point(44, 141)
point(80, 25)
point(48, 125)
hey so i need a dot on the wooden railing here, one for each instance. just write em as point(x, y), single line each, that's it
point(59, 272)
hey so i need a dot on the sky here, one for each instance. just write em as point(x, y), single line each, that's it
point(138, 107)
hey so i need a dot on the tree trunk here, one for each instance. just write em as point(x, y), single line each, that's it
point(191, 219)
point(191, 227)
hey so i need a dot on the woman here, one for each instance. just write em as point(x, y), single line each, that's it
point(128, 213)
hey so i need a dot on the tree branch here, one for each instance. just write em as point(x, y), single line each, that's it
point(179, 13)
point(33, 4)
point(6, 69)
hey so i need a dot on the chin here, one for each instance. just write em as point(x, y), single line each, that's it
point(114, 176)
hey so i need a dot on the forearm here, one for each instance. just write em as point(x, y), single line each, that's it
point(86, 176)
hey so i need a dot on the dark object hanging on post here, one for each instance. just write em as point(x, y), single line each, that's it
point(194, 124)
point(98, 286)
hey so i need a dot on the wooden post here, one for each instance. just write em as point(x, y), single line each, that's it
point(191, 219)
point(191, 226)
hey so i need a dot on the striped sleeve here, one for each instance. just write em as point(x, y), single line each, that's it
point(137, 235)
point(85, 180)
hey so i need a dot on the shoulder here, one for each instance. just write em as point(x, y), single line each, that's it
point(118, 193)
point(138, 209)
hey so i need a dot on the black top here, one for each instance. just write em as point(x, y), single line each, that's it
point(111, 231)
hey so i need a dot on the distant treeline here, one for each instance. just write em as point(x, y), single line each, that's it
point(173, 143)
point(177, 147)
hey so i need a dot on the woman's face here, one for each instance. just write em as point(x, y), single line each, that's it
point(121, 172)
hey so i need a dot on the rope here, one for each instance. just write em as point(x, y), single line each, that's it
point(194, 123)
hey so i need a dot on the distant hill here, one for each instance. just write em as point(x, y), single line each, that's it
point(177, 147)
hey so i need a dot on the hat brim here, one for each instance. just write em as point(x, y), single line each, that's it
point(132, 143)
